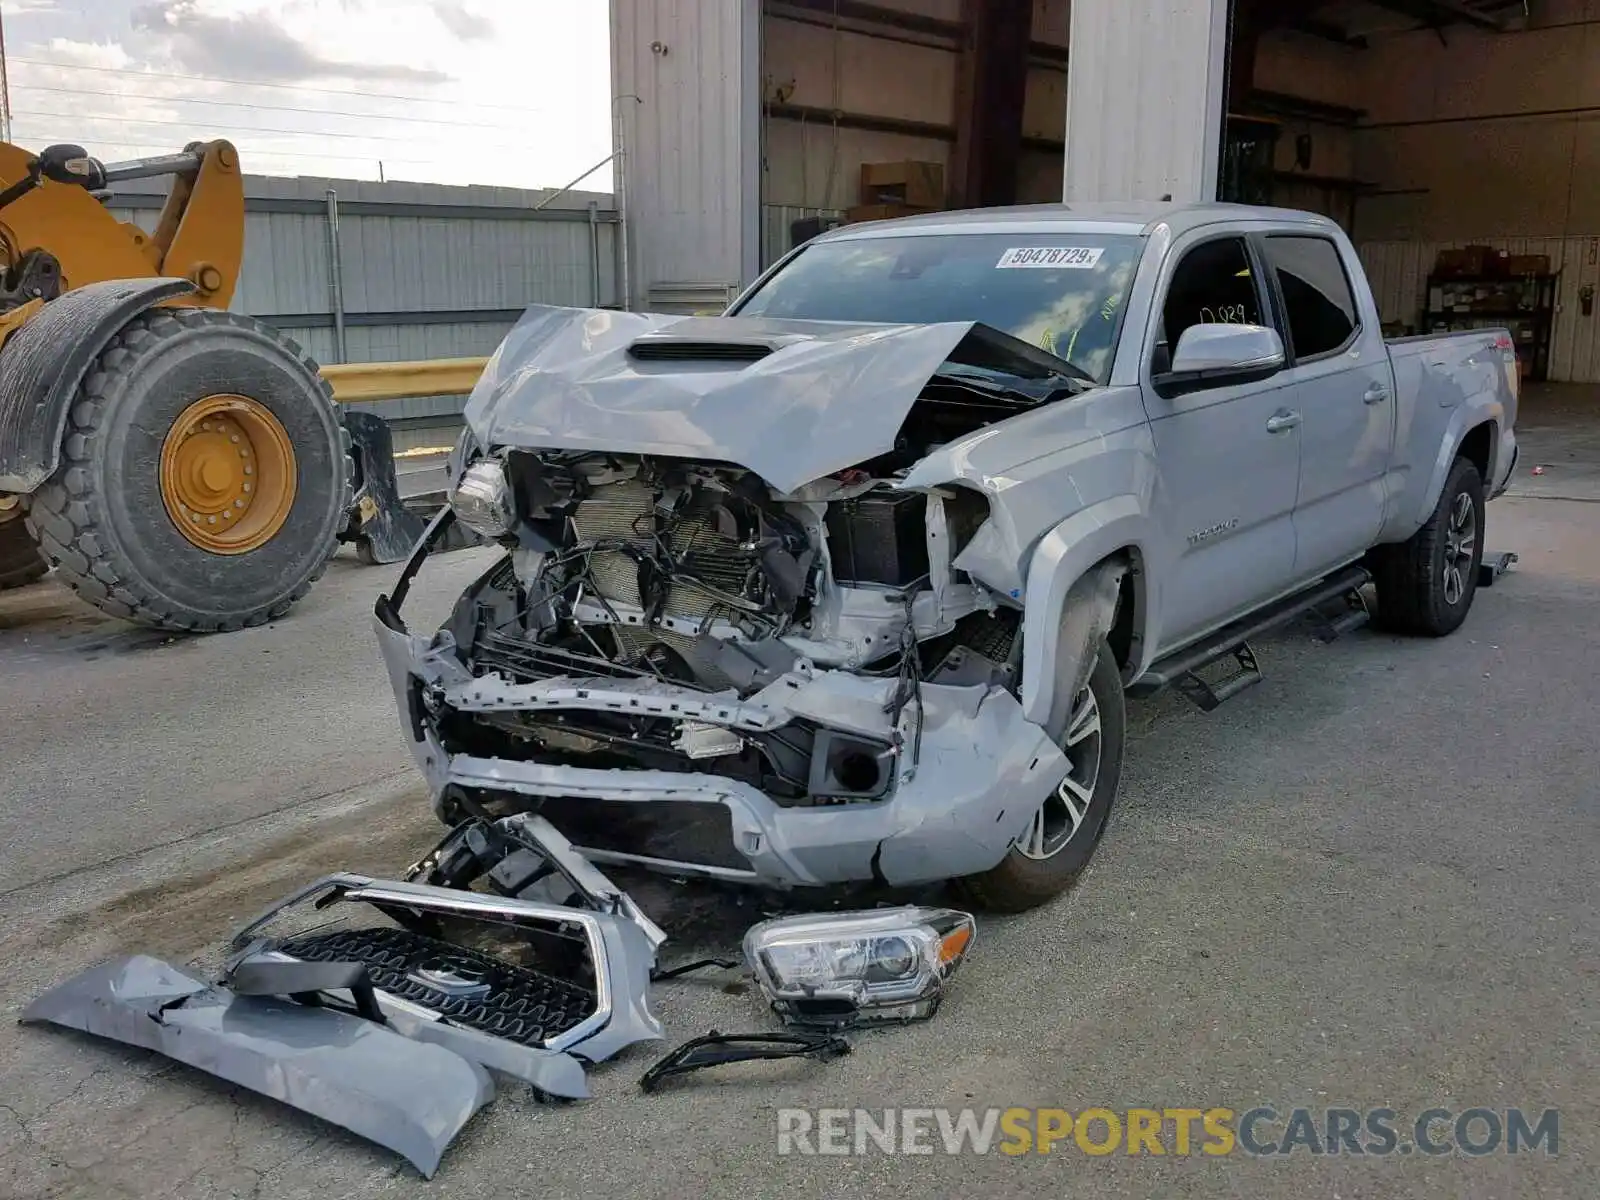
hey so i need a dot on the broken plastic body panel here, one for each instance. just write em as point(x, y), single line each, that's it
point(525, 856)
point(401, 1092)
point(274, 973)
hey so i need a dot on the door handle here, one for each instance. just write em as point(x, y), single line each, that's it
point(1376, 394)
point(1280, 421)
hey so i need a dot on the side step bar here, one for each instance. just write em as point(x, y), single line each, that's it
point(1181, 669)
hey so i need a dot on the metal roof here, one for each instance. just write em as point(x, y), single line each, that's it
point(1125, 217)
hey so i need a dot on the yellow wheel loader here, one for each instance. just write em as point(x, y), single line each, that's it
point(178, 464)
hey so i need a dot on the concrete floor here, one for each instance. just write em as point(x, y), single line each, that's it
point(1371, 881)
point(1558, 429)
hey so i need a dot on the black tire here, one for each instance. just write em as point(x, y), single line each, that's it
point(1019, 882)
point(1414, 592)
point(20, 563)
point(101, 519)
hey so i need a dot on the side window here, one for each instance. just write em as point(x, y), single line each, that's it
point(1317, 300)
point(1213, 284)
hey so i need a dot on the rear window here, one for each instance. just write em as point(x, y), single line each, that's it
point(1316, 294)
point(1063, 292)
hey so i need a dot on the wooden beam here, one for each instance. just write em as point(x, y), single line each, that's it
point(894, 18)
point(1327, 31)
point(991, 88)
point(1437, 13)
point(932, 130)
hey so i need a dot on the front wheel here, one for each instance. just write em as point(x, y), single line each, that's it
point(1062, 835)
point(205, 475)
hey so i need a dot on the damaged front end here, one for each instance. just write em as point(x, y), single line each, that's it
point(712, 651)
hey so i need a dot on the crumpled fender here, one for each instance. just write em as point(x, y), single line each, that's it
point(406, 1095)
point(1066, 611)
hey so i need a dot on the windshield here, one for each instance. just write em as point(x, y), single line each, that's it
point(1062, 292)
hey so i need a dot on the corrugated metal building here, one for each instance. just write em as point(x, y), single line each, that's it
point(424, 270)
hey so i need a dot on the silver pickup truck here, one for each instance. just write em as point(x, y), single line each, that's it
point(849, 584)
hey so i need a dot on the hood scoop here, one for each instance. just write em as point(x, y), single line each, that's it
point(714, 339)
point(662, 349)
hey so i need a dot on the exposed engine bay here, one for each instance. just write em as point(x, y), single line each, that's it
point(703, 578)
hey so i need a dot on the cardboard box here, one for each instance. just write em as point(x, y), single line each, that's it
point(880, 212)
point(1528, 264)
point(918, 184)
point(1465, 262)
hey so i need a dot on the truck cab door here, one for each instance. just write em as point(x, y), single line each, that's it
point(1228, 454)
point(1342, 382)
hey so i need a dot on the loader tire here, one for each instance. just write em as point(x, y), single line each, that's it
point(20, 563)
point(149, 443)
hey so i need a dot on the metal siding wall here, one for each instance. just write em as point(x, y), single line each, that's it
point(395, 264)
point(688, 170)
point(1144, 99)
point(1399, 274)
point(410, 264)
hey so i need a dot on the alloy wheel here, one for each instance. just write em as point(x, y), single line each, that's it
point(1460, 544)
point(1066, 810)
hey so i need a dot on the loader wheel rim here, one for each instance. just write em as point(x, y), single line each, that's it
point(228, 474)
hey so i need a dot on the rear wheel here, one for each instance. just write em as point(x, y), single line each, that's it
point(20, 563)
point(1062, 835)
point(205, 475)
point(1426, 584)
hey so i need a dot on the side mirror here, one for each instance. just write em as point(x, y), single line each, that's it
point(1218, 354)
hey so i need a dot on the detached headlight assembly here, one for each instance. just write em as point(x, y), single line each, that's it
point(841, 969)
point(482, 500)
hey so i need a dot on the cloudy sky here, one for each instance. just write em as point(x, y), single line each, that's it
point(513, 92)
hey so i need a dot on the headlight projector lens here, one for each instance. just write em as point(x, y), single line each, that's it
point(843, 969)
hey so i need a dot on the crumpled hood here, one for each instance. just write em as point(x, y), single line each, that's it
point(790, 400)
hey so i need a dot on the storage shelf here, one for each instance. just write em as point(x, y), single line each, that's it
point(1529, 324)
point(1509, 314)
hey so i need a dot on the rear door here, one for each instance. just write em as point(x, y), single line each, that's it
point(1341, 380)
point(1227, 482)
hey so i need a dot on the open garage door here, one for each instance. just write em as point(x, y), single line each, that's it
point(1457, 140)
point(971, 93)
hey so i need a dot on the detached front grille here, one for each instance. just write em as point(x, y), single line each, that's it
point(471, 988)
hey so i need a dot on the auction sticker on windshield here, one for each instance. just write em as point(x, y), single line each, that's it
point(1078, 257)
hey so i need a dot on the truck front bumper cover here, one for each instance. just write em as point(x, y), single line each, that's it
point(980, 769)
